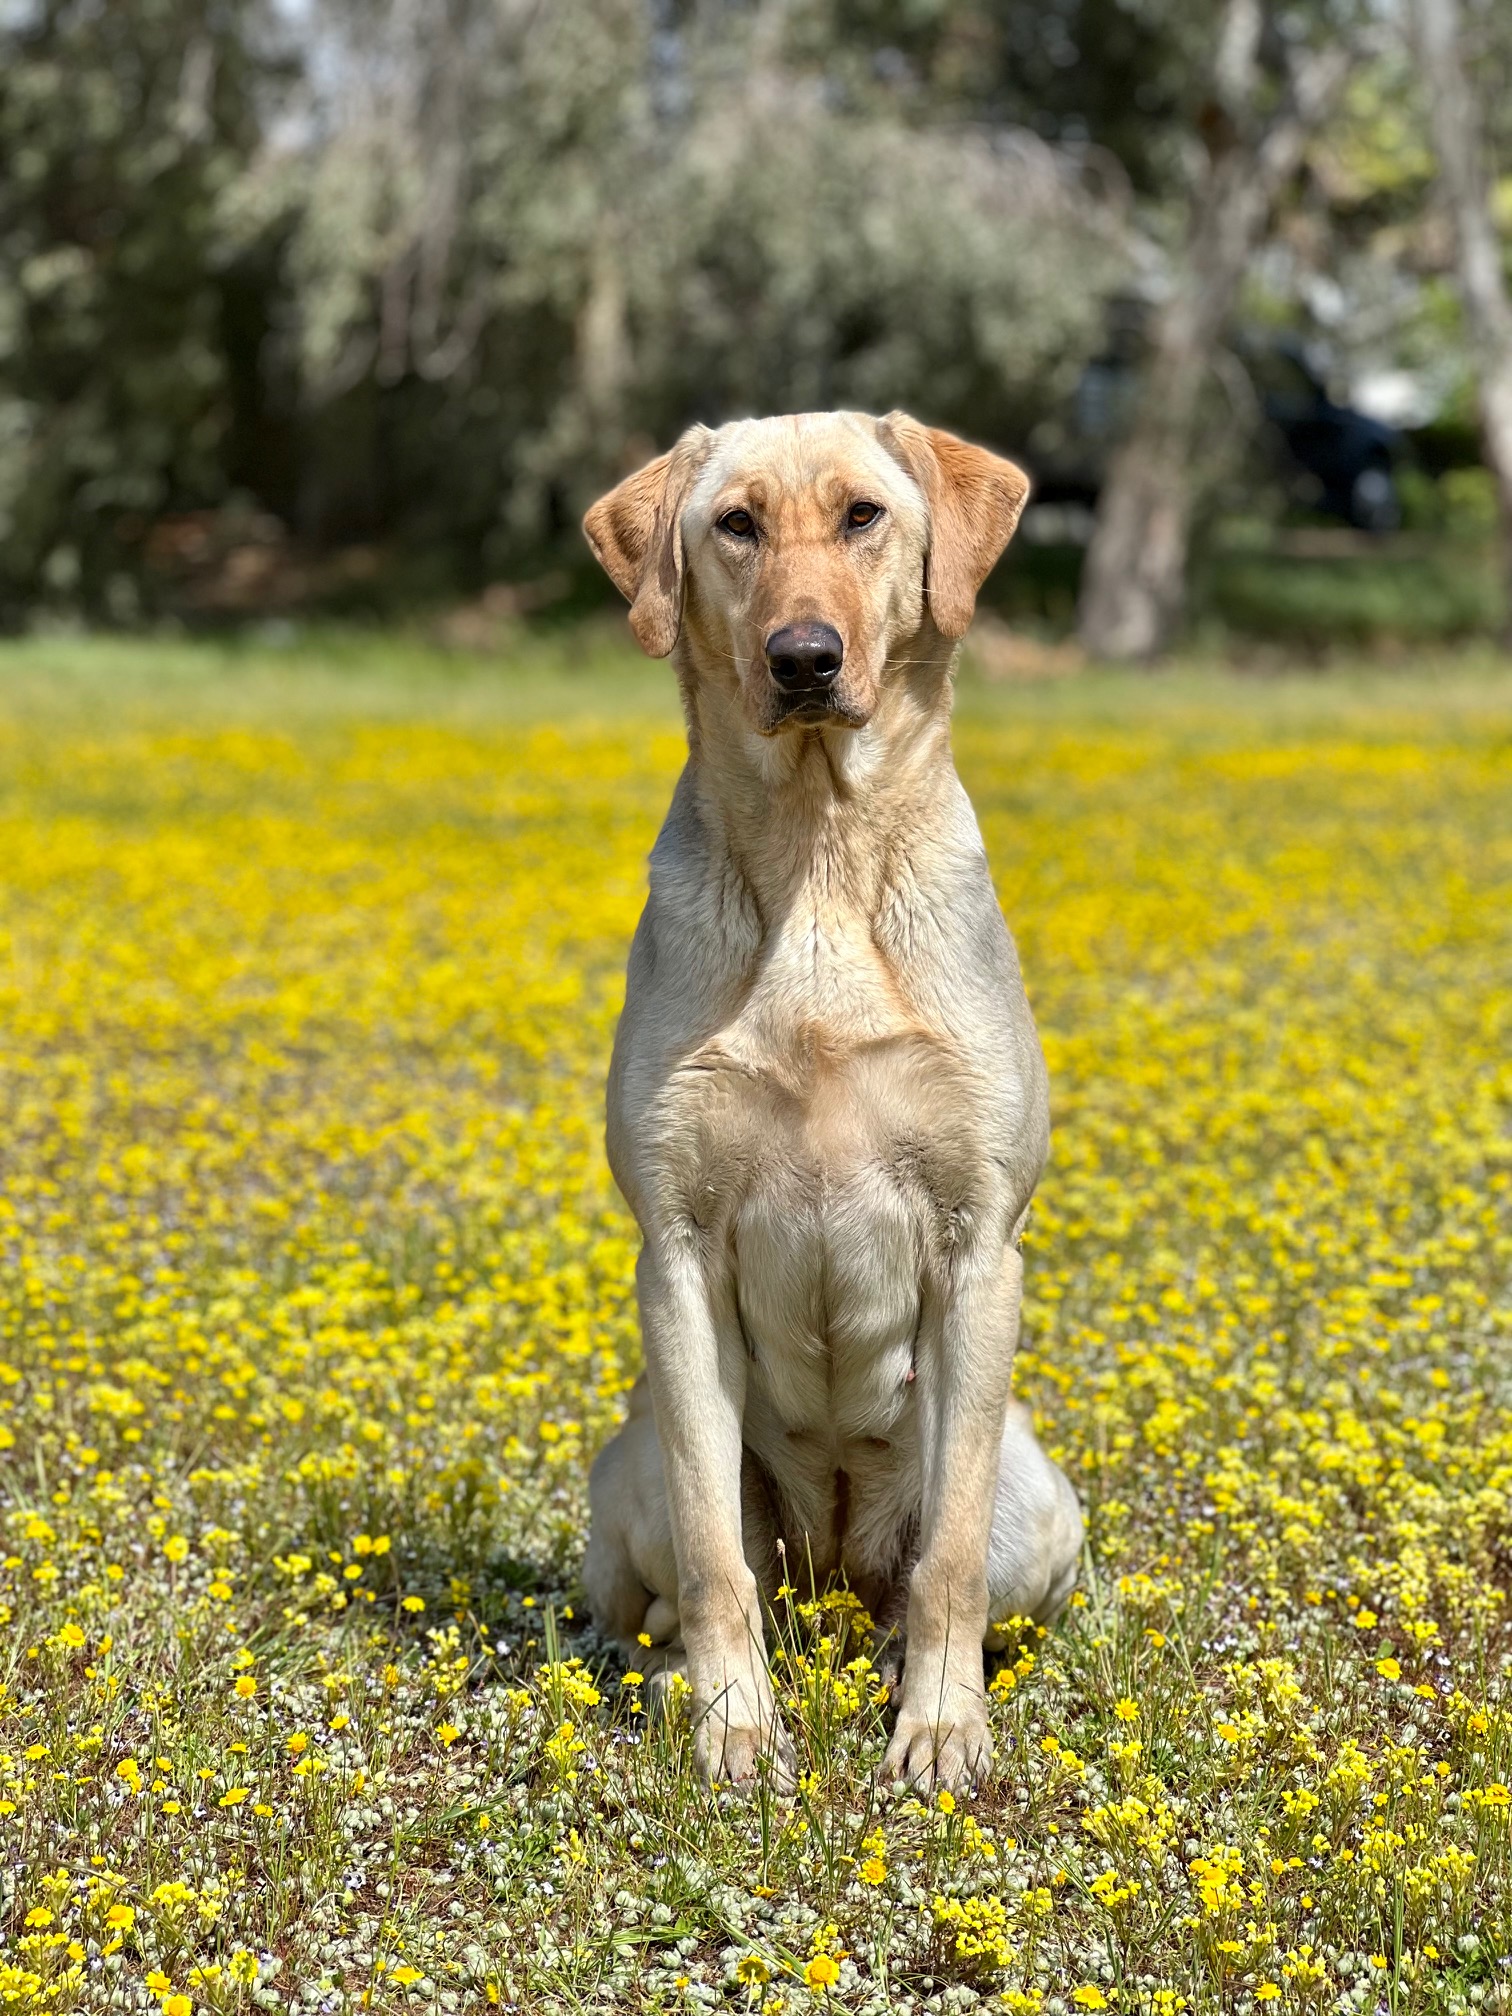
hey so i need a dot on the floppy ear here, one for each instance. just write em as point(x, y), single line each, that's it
point(636, 536)
point(975, 499)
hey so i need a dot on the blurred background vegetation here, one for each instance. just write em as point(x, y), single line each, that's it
point(353, 305)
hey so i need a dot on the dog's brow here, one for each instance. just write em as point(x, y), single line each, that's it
point(743, 486)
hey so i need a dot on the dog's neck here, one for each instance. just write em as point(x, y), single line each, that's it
point(824, 812)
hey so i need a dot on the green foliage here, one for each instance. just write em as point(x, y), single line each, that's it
point(1368, 598)
point(565, 238)
point(477, 260)
point(1460, 504)
point(122, 129)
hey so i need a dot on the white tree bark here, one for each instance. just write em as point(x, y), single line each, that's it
point(1134, 581)
point(1455, 115)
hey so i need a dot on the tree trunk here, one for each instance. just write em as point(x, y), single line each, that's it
point(1455, 116)
point(1134, 582)
point(604, 359)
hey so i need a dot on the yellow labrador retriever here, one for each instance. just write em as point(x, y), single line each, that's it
point(827, 1103)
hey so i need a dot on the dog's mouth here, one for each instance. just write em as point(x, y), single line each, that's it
point(815, 706)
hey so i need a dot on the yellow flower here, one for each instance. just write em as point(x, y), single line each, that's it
point(447, 1733)
point(246, 1687)
point(1388, 1669)
point(177, 2005)
point(406, 1975)
point(157, 1981)
point(235, 1796)
point(120, 1917)
point(873, 1870)
point(946, 1801)
point(413, 1603)
point(1088, 1997)
point(822, 1971)
point(1125, 1709)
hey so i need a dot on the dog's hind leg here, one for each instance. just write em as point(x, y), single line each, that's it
point(1035, 1548)
point(630, 1569)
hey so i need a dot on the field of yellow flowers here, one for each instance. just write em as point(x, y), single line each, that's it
point(315, 1301)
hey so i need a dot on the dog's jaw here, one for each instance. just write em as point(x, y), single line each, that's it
point(825, 707)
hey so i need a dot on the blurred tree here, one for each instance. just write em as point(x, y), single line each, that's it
point(431, 271)
point(537, 241)
point(871, 260)
point(1457, 123)
point(455, 273)
point(122, 132)
point(1268, 88)
point(1206, 112)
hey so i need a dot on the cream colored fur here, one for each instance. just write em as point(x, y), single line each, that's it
point(827, 1102)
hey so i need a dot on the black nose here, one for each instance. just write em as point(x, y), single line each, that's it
point(804, 655)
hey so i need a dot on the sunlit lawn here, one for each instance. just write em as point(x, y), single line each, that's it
point(315, 1301)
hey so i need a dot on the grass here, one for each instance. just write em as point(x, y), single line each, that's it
point(315, 1300)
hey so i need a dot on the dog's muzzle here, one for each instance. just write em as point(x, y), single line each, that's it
point(804, 660)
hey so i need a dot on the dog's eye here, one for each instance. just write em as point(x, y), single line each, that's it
point(739, 524)
point(862, 514)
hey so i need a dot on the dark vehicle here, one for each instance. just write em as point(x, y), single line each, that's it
point(1350, 458)
point(1332, 458)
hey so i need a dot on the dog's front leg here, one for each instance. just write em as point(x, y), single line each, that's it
point(697, 1365)
point(964, 1371)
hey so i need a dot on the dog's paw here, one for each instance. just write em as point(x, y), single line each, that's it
point(665, 1670)
point(741, 1747)
point(943, 1754)
point(887, 1663)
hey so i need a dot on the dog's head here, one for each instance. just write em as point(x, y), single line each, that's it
point(799, 555)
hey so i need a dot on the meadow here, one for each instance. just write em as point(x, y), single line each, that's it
point(315, 1302)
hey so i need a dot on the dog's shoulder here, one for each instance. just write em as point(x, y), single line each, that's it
point(702, 926)
point(940, 923)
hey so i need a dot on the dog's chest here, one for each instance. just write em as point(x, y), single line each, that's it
point(822, 981)
point(829, 1278)
point(835, 1145)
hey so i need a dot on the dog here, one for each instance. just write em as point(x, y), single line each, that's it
point(827, 1103)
